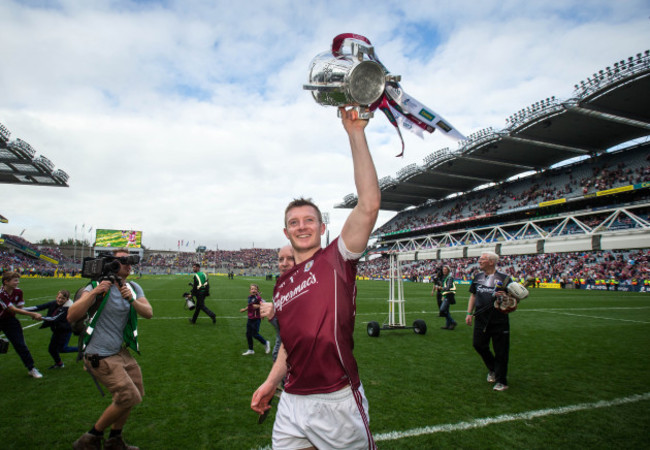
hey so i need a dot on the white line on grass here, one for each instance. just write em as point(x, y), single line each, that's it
point(595, 317)
point(479, 423)
point(593, 308)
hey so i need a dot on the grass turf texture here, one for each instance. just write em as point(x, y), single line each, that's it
point(567, 347)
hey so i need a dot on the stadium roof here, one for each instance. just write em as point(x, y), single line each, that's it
point(18, 164)
point(607, 109)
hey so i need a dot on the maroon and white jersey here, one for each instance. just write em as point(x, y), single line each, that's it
point(254, 313)
point(315, 306)
point(16, 299)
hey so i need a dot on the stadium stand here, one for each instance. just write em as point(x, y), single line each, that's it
point(258, 261)
point(575, 181)
point(626, 267)
point(606, 110)
point(564, 183)
point(20, 165)
point(560, 193)
point(255, 261)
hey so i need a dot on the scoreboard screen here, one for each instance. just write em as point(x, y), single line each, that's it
point(118, 238)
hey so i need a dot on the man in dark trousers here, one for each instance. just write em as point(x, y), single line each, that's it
point(490, 325)
point(200, 290)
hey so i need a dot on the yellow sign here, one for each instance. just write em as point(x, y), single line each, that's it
point(615, 190)
point(48, 259)
point(550, 285)
point(552, 202)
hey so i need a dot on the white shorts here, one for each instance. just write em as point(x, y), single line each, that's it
point(335, 420)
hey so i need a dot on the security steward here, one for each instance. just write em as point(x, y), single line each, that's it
point(200, 290)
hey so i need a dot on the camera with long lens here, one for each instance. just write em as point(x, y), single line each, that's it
point(106, 266)
point(439, 277)
point(189, 301)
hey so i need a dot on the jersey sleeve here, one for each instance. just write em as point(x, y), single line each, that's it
point(20, 302)
point(347, 254)
point(138, 290)
point(472, 287)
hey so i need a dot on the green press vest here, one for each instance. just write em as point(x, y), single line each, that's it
point(130, 333)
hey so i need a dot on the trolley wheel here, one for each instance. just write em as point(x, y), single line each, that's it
point(373, 329)
point(419, 327)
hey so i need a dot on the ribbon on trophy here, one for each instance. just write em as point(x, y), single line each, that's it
point(401, 110)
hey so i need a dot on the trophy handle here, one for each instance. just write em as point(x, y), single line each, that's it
point(334, 87)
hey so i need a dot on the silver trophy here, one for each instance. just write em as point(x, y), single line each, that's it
point(348, 77)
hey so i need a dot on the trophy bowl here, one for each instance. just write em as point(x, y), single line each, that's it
point(346, 81)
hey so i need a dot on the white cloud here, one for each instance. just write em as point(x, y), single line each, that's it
point(187, 120)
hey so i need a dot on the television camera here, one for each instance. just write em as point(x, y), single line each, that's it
point(189, 303)
point(106, 266)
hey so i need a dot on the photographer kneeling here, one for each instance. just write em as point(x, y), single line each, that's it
point(105, 358)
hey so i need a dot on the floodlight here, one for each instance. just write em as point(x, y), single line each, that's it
point(4, 135)
point(60, 175)
point(44, 164)
point(22, 148)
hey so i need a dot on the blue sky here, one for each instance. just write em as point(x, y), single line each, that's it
point(187, 119)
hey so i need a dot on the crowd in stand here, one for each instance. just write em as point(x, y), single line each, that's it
point(624, 266)
point(26, 265)
point(604, 172)
point(244, 258)
point(53, 252)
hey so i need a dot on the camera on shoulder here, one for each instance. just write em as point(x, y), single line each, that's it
point(106, 266)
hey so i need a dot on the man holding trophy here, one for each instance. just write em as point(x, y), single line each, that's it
point(323, 404)
point(315, 306)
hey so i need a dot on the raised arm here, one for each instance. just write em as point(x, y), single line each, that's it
point(361, 221)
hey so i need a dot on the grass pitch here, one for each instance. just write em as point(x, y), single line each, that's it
point(579, 374)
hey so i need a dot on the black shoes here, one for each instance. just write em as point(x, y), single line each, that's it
point(88, 441)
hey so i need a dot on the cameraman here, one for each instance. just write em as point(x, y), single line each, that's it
point(200, 290)
point(448, 291)
point(437, 288)
point(105, 356)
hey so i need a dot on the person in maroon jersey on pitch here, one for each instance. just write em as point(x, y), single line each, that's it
point(254, 321)
point(314, 303)
point(11, 303)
